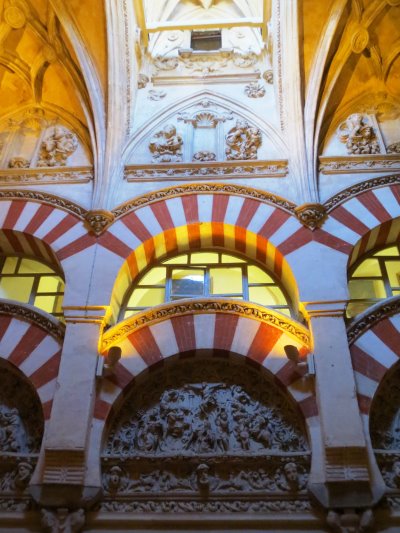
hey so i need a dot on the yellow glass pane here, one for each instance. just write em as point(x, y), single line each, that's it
point(225, 258)
point(366, 288)
point(10, 265)
point(256, 275)
point(393, 270)
point(368, 268)
point(29, 266)
point(355, 308)
point(226, 281)
point(46, 303)
point(156, 276)
point(202, 258)
point(16, 288)
point(267, 296)
point(187, 282)
point(50, 284)
point(146, 297)
point(58, 304)
point(179, 260)
point(392, 251)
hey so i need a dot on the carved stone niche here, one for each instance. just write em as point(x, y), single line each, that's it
point(200, 433)
point(385, 429)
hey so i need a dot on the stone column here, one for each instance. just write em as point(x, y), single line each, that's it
point(346, 473)
point(62, 473)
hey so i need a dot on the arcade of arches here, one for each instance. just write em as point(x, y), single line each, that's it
point(200, 266)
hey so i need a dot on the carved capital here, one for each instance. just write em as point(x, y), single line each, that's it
point(99, 220)
point(63, 520)
point(312, 216)
point(350, 520)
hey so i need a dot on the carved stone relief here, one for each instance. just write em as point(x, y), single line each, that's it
point(254, 90)
point(21, 425)
point(19, 162)
point(204, 429)
point(359, 135)
point(57, 147)
point(156, 95)
point(63, 520)
point(394, 148)
point(243, 141)
point(385, 416)
point(166, 145)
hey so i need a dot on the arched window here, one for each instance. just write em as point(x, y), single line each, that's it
point(202, 275)
point(32, 282)
point(373, 278)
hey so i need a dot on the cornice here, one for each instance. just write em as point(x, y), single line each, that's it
point(371, 317)
point(51, 325)
point(46, 176)
point(359, 188)
point(201, 306)
point(357, 164)
point(205, 188)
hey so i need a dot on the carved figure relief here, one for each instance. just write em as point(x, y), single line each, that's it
point(205, 429)
point(17, 479)
point(359, 135)
point(243, 141)
point(166, 145)
point(57, 147)
point(394, 148)
point(63, 520)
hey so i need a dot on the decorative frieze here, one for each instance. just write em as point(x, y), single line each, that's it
point(359, 164)
point(372, 316)
point(51, 325)
point(205, 188)
point(358, 188)
point(20, 175)
point(207, 170)
point(122, 330)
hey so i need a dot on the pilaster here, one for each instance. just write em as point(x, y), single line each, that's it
point(61, 480)
point(346, 469)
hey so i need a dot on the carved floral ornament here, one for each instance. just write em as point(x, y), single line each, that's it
point(359, 135)
point(200, 430)
point(117, 333)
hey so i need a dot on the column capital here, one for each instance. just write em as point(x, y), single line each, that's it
point(90, 314)
point(332, 308)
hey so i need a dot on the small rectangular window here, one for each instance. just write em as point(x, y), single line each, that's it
point(206, 40)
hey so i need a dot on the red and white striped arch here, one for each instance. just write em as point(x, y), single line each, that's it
point(357, 225)
point(373, 354)
point(34, 352)
point(23, 223)
point(199, 220)
point(366, 221)
point(259, 343)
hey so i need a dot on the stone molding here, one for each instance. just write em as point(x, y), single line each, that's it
point(46, 176)
point(197, 306)
point(357, 164)
point(372, 316)
point(51, 325)
point(206, 188)
point(56, 201)
point(206, 170)
point(359, 188)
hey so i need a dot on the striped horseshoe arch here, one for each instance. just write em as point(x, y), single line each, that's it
point(220, 328)
point(366, 221)
point(376, 350)
point(194, 221)
point(32, 348)
point(24, 221)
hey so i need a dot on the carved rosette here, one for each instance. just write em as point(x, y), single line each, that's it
point(99, 220)
point(254, 90)
point(311, 215)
